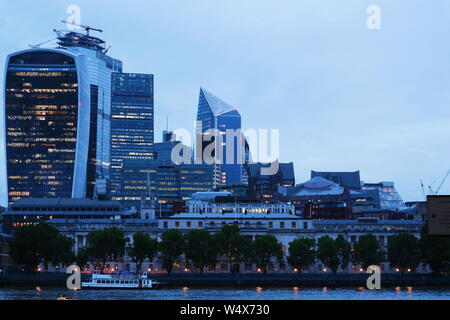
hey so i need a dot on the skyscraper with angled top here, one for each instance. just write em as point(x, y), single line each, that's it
point(216, 120)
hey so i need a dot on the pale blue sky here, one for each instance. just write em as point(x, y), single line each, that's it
point(344, 97)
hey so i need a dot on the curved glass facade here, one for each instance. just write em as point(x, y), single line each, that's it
point(41, 107)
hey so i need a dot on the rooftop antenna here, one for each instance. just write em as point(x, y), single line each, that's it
point(167, 123)
point(82, 26)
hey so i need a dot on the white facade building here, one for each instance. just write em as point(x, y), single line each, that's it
point(285, 227)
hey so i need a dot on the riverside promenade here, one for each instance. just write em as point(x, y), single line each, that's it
point(15, 278)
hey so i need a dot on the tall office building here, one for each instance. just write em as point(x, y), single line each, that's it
point(55, 125)
point(265, 187)
point(167, 181)
point(162, 151)
point(132, 124)
point(214, 118)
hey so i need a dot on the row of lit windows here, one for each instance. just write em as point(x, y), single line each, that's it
point(130, 117)
point(37, 74)
point(42, 90)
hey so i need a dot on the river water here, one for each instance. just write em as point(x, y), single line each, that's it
point(295, 293)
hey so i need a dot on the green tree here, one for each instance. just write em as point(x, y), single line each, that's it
point(334, 253)
point(302, 253)
point(106, 245)
point(344, 251)
point(40, 243)
point(201, 249)
point(171, 248)
point(82, 257)
point(62, 253)
point(435, 251)
point(327, 252)
point(144, 247)
point(367, 251)
point(403, 251)
point(235, 247)
point(266, 248)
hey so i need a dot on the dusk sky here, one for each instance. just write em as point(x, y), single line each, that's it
point(344, 97)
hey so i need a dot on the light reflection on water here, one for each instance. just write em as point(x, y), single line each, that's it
point(258, 293)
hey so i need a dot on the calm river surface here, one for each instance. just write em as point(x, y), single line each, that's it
point(229, 294)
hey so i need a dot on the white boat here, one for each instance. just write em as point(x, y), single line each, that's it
point(119, 281)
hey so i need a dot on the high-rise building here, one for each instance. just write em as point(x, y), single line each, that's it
point(55, 123)
point(265, 187)
point(217, 119)
point(162, 151)
point(168, 182)
point(132, 124)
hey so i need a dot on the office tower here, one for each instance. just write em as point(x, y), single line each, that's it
point(132, 124)
point(169, 182)
point(217, 119)
point(162, 151)
point(56, 142)
point(265, 186)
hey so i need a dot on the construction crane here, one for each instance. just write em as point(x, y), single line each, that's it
point(423, 190)
point(440, 185)
point(40, 44)
point(82, 26)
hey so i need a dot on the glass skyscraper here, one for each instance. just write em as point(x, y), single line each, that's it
point(167, 181)
point(132, 124)
point(55, 122)
point(216, 115)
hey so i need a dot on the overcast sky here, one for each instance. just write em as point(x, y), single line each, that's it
point(344, 97)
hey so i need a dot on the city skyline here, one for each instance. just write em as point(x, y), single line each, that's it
point(405, 147)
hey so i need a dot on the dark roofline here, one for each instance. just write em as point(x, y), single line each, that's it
point(64, 202)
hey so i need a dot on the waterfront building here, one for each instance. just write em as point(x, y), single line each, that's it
point(214, 118)
point(56, 128)
point(28, 211)
point(265, 187)
point(285, 226)
point(132, 123)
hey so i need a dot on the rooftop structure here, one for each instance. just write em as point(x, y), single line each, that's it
point(29, 211)
point(350, 180)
